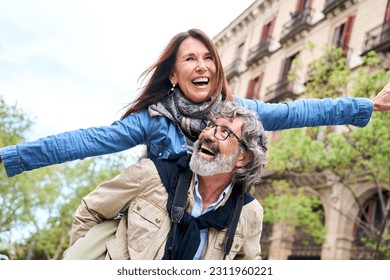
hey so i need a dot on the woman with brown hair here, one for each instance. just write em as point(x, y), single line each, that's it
point(183, 86)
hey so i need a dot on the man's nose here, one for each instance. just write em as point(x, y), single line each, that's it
point(209, 133)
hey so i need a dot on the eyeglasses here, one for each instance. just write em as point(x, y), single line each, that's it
point(222, 132)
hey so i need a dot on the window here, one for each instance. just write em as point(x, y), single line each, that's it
point(286, 67)
point(342, 34)
point(303, 5)
point(369, 223)
point(254, 86)
point(239, 51)
point(385, 33)
point(266, 33)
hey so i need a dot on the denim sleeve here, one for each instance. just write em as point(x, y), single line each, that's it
point(312, 112)
point(72, 145)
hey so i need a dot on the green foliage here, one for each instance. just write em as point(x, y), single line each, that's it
point(360, 150)
point(295, 208)
point(296, 151)
point(322, 150)
point(370, 77)
point(13, 125)
point(76, 180)
point(21, 196)
point(372, 147)
point(40, 204)
point(329, 74)
point(383, 249)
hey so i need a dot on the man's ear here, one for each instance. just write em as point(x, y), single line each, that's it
point(243, 159)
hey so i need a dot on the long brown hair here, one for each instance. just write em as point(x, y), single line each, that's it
point(158, 85)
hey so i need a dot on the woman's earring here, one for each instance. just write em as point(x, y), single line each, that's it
point(172, 90)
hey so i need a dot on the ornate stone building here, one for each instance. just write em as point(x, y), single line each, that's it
point(258, 49)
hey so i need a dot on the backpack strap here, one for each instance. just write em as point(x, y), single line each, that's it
point(179, 200)
point(233, 225)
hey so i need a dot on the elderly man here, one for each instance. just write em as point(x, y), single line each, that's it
point(217, 218)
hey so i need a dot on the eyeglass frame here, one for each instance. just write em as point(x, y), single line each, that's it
point(229, 132)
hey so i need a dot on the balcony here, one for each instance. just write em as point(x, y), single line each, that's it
point(333, 6)
point(301, 21)
point(233, 69)
point(260, 51)
point(280, 91)
point(378, 39)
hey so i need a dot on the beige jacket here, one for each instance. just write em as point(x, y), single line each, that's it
point(143, 230)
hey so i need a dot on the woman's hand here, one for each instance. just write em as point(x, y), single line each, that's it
point(382, 99)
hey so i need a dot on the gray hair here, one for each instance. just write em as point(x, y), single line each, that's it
point(253, 138)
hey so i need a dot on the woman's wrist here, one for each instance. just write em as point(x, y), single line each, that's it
point(382, 99)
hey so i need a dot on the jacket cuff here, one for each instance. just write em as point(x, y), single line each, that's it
point(365, 106)
point(11, 161)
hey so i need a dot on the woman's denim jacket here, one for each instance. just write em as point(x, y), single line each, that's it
point(164, 139)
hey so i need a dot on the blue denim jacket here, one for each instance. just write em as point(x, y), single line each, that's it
point(164, 139)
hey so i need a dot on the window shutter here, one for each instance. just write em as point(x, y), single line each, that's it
point(347, 34)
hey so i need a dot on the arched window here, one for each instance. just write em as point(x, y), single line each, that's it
point(370, 225)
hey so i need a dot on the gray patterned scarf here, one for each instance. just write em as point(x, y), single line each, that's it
point(191, 117)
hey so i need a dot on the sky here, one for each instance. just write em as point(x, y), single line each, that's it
point(73, 64)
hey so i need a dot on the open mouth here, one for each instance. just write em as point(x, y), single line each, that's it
point(201, 81)
point(206, 151)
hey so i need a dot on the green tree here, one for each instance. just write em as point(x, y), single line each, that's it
point(320, 150)
point(76, 180)
point(23, 196)
point(297, 209)
point(38, 206)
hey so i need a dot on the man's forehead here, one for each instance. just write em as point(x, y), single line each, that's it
point(231, 123)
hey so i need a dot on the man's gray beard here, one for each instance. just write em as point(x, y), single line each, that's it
point(220, 164)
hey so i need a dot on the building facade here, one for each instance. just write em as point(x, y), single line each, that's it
point(258, 50)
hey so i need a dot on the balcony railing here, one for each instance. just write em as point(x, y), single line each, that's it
point(362, 253)
point(331, 5)
point(259, 51)
point(378, 38)
point(301, 21)
point(280, 91)
point(233, 69)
